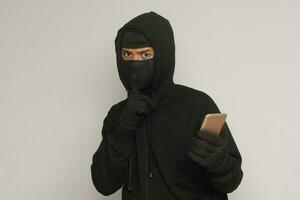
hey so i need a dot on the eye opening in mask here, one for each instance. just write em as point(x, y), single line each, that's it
point(143, 53)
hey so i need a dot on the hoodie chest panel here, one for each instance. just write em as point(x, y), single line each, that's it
point(172, 128)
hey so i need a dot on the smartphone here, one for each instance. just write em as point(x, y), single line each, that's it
point(213, 123)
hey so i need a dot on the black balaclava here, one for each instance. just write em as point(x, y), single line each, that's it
point(138, 72)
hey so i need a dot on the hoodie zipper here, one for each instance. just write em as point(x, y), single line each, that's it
point(129, 188)
point(146, 177)
point(151, 152)
point(149, 174)
point(130, 168)
point(148, 168)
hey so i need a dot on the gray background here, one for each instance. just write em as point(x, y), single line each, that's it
point(58, 79)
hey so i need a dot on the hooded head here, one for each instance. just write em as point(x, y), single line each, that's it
point(144, 30)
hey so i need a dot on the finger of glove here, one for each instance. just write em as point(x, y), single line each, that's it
point(199, 151)
point(148, 100)
point(134, 120)
point(134, 89)
point(212, 139)
point(143, 108)
point(204, 144)
point(138, 118)
point(196, 158)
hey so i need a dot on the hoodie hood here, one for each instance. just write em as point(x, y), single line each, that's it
point(159, 32)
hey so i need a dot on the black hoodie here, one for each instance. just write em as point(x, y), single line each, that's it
point(154, 164)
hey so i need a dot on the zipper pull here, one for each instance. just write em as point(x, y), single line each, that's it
point(150, 172)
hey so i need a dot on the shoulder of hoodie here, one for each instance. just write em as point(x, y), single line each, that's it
point(196, 96)
point(115, 109)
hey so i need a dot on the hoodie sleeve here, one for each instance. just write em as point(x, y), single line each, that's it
point(111, 160)
point(228, 175)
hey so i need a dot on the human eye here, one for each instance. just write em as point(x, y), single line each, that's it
point(127, 54)
point(146, 55)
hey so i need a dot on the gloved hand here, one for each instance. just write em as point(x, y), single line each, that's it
point(137, 107)
point(207, 150)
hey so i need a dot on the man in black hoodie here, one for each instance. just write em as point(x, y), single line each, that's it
point(151, 144)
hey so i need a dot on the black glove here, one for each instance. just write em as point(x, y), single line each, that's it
point(137, 107)
point(207, 150)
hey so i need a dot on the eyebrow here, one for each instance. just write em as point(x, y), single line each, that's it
point(143, 50)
